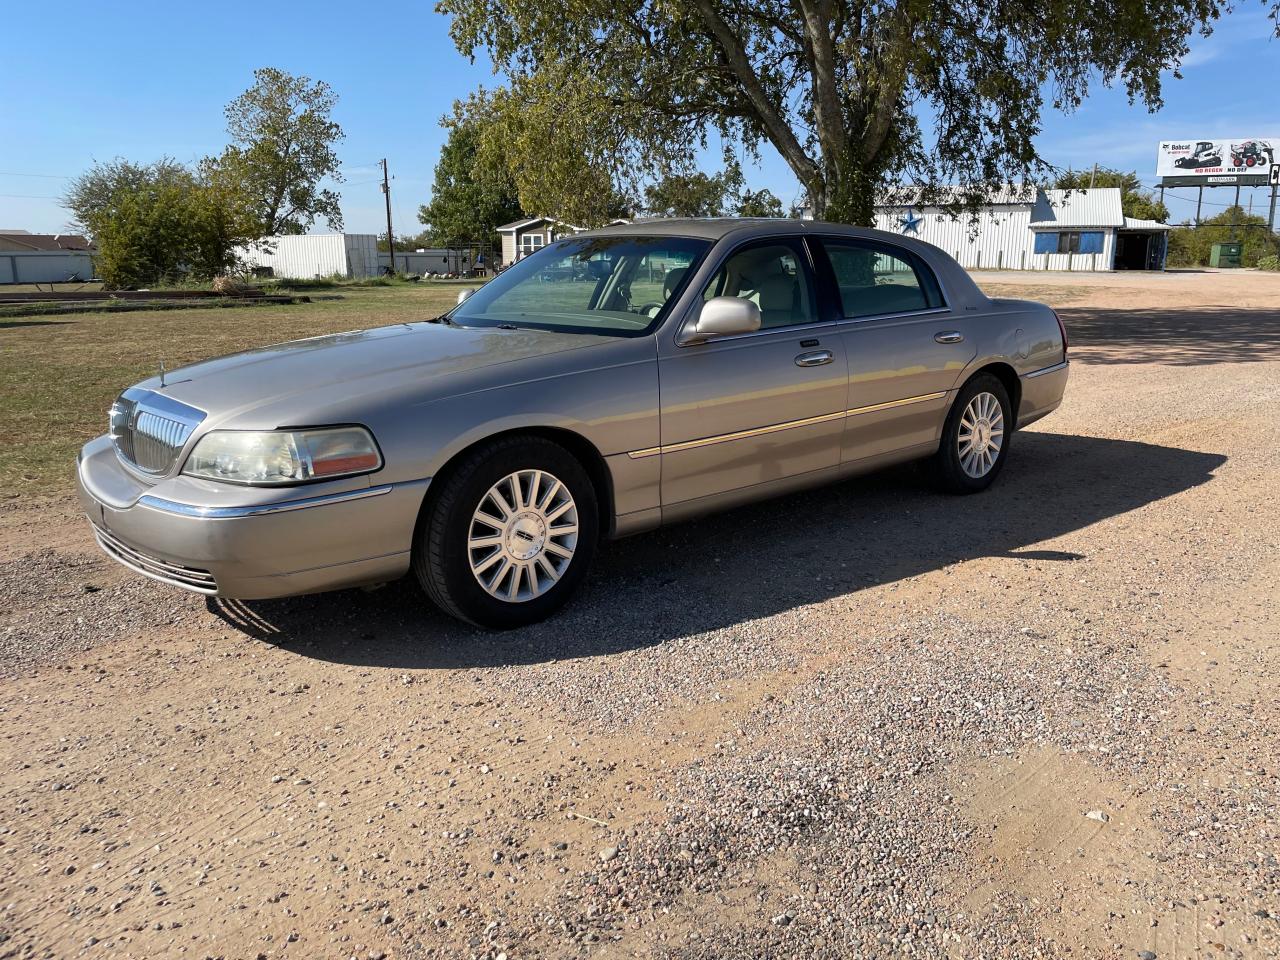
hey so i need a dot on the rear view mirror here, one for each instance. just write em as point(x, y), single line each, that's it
point(726, 317)
point(464, 293)
point(599, 269)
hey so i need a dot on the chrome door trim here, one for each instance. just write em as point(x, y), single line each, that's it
point(889, 404)
point(776, 427)
point(764, 332)
point(1043, 370)
point(738, 435)
point(904, 315)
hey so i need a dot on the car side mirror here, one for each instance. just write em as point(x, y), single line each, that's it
point(724, 317)
point(464, 293)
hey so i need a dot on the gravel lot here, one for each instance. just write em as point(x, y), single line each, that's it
point(861, 722)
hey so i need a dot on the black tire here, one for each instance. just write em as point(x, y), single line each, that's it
point(949, 473)
point(440, 557)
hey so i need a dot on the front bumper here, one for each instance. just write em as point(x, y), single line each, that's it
point(249, 543)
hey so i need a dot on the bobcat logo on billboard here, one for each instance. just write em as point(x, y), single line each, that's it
point(1218, 161)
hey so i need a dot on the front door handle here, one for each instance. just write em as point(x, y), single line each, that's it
point(815, 359)
point(949, 336)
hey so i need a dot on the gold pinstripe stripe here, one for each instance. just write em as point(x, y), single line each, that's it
point(777, 427)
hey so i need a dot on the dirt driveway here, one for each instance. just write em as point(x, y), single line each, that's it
point(867, 721)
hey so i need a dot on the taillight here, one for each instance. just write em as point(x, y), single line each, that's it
point(1062, 330)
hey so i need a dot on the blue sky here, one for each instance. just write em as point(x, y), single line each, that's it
point(94, 82)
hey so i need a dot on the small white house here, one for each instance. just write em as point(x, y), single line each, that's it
point(306, 257)
point(1026, 228)
point(523, 237)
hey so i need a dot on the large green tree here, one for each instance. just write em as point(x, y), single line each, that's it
point(835, 86)
point(470, 197)
point(159, 222)
point(1134, 200)
point(699, 194)
point(282, 150)
point(689, 195)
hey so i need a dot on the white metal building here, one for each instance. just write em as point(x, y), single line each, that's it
point(350, 255)
point(1026, 228)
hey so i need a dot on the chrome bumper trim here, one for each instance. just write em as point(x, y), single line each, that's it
point(1043, 370)
point(261, 509)
point(174, 574)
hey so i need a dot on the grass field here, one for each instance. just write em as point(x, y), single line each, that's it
point(58, 375)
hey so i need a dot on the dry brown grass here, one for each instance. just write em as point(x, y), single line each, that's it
point(58, 375)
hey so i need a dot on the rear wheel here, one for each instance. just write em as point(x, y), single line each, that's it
point(975, 438)
point(510, 534)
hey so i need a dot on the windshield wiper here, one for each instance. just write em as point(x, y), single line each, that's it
point(507, 326)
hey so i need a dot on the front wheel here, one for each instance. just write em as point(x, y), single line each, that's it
point(510, 534)
point(975, 438)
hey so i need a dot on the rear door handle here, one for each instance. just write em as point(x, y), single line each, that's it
point(815, 359)
point(949, 336)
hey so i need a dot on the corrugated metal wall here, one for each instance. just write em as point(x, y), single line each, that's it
point(1001, 239)
point(362, 254)
point(317, 255)
point(38, 266)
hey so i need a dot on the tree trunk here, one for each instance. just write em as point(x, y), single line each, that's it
point(849, 194)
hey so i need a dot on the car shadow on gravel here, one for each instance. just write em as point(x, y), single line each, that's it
point(753, 562)
point(1178, 337)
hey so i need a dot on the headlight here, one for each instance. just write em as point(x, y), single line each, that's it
point(283, 456)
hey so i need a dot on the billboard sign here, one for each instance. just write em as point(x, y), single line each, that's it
point(1242, 161)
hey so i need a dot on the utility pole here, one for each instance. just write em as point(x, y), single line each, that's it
point(1271, 218)
point(386, 192)
point(1235, 215)
point(1199, 200)
point(1093, 176)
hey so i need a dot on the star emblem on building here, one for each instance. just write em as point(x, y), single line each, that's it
point(911, 223)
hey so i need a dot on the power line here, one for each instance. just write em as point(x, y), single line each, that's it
point(26, 196)
point(43, 176)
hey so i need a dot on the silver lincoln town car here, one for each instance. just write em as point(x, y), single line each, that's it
point(611, 382)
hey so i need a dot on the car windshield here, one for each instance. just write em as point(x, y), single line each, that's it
point(619, 286)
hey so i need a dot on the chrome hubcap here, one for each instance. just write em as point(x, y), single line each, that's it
point(522, 535)
point(981, 435)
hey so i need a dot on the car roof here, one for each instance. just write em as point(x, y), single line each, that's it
point(961, 288)
point(745, 228)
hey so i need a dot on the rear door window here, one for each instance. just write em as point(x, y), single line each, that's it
point(876, 279)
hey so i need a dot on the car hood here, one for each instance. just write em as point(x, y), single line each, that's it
point(435, 359)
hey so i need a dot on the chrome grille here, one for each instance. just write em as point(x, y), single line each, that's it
point(189, 578)
point(149, 429)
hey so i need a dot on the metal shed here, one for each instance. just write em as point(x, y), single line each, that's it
point(1027, 228)
point(307, 257)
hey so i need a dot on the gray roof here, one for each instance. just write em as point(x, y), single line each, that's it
point(1133, 223)
point(23, 240)
point(1099, 207)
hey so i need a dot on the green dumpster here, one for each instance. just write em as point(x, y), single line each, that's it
point(1226, 254)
